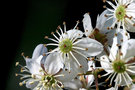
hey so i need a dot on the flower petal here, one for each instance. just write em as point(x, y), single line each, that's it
point(75, 84)
point(101, 20)
point(114, 49)
point(53, 63)
point(90, 80)
point(39, 50)
point(73, 33)
point(128, 48)
point(87, 24)
point(75, 69)
point(34, 65)
point(93, 47)
point(31, 86)
point(105, 63)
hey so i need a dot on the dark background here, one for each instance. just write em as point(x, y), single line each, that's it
point(26, 24)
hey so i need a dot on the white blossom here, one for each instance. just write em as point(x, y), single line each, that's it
point(118, 64)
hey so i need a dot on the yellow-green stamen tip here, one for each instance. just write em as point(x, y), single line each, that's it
point(65, 45)
point(119, 66)
point(120, 12)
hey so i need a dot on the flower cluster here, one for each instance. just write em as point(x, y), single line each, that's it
point(72, 64)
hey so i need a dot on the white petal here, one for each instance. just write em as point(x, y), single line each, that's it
point(105, 63)
point(53, 63)
point(34, 65)
point(129, 25)
point(73, 85)
point(91, 64)
point(73, 33)
point(132, 87)
point(75, 69)
point(39, 50)
point(110, 36)
point(101, 20)
point(128, 48)
point(87, 24)
point(112, 88)
point(90, 80)
point(114, 49)
point(31, 86)
point(94, 47)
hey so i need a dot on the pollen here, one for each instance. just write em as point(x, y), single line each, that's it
point(119, 66)
point(120, 13)
point(65, 45)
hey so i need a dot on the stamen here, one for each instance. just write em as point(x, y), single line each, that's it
point(80, 53)
point(64, 23)
point(111, 4)
point(55, 36)
point(79, 48)
point(76, 24)
point(112, 78)
point(75, 59)
point(60, 30)
point(52, 44)
point(125, 79)
point(46, 37)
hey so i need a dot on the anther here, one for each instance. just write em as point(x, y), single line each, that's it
point(33, 76)
point(22, 54)
point(121, 53)
point(88, 59)
point(105, 15)
point(126, 34)
point(104, 6)
point(46, 37)
point(17, 63)
point(52, 32)
point(44, 54)
point(99, 76)
point(121, 40)
point(64, 23)
point(77, 21)
point(109, 85)
point(86, 49)
point(80, 66)
point(108, 28)
point(16, 74)
point(115, 34)
point(134, 24)
point(59, 27)
point(20, 84)
point(104, 1)
point(107, 80)
point(86, 30)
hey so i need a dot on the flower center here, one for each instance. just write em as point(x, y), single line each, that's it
point(119, 66)
point(48, 81)
point(65, 45)
point(120, 12)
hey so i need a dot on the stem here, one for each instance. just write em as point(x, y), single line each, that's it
point(96, 80)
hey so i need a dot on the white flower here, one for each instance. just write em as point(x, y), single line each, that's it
point(74, 49)
point(120, 64)
point(123, 14)
point(41, 74)
point(102, 32)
